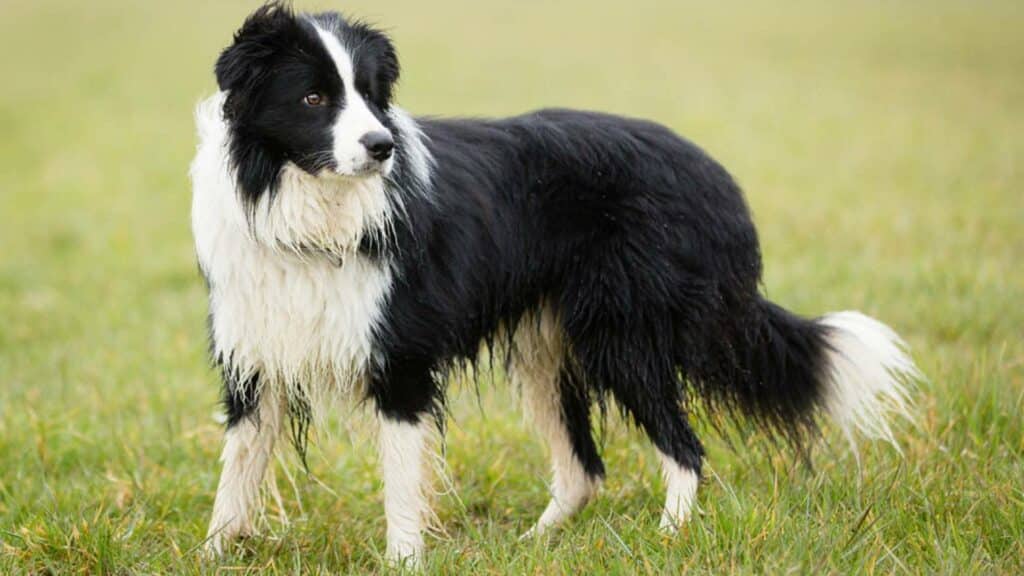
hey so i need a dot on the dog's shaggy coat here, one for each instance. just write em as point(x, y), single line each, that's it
point(351, 250)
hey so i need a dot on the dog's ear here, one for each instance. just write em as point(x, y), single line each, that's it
point(385, 71)
point(242, 66)
point(389, 70)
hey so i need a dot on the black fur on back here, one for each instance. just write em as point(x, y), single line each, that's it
point(641, 243)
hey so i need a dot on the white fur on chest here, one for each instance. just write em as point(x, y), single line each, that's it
point(290, 297)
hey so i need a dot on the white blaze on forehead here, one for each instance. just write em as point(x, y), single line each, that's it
point(355, 119)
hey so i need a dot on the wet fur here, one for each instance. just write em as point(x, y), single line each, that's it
point(615, 251)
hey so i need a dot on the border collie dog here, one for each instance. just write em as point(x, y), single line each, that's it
point(352, 250)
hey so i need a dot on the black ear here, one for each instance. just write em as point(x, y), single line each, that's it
point(242, 66)
point(376, 47)
point(389, 70)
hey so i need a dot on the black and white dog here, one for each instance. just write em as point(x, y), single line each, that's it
point(353, 251)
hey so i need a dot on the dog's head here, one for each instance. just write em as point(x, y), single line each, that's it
point(312, 90)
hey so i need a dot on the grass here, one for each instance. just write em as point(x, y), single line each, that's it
point(881, 148)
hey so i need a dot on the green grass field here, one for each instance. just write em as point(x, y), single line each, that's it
point(881, 146)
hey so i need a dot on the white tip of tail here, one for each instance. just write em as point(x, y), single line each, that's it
point(870, 375)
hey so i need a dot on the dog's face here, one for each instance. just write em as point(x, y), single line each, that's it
point(310, 90)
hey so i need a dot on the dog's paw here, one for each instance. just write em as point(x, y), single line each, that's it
point(671, 524)
point(223, 540)
point(213, 548)
point(535, 531)
point(405, 554)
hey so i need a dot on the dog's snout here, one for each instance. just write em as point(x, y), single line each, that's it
point(379, 144)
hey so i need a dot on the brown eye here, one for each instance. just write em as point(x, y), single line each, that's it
point(314, 99)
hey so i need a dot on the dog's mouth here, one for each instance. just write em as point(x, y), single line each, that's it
point(368, 169)
point(365, 170)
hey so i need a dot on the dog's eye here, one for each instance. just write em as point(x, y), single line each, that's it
point(314, 99)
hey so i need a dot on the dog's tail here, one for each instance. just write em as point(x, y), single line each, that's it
point(845, 365)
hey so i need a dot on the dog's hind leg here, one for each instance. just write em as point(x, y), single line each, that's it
point(654, 406)
point(558, 406)
point(248, 447)
point(635, 364)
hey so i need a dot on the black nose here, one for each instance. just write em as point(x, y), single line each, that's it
point(379, 144)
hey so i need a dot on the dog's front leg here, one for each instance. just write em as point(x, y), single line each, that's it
point(405, 402)
point(248, 447)
point(403, 453)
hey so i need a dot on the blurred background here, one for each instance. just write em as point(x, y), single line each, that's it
point(880, 145)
